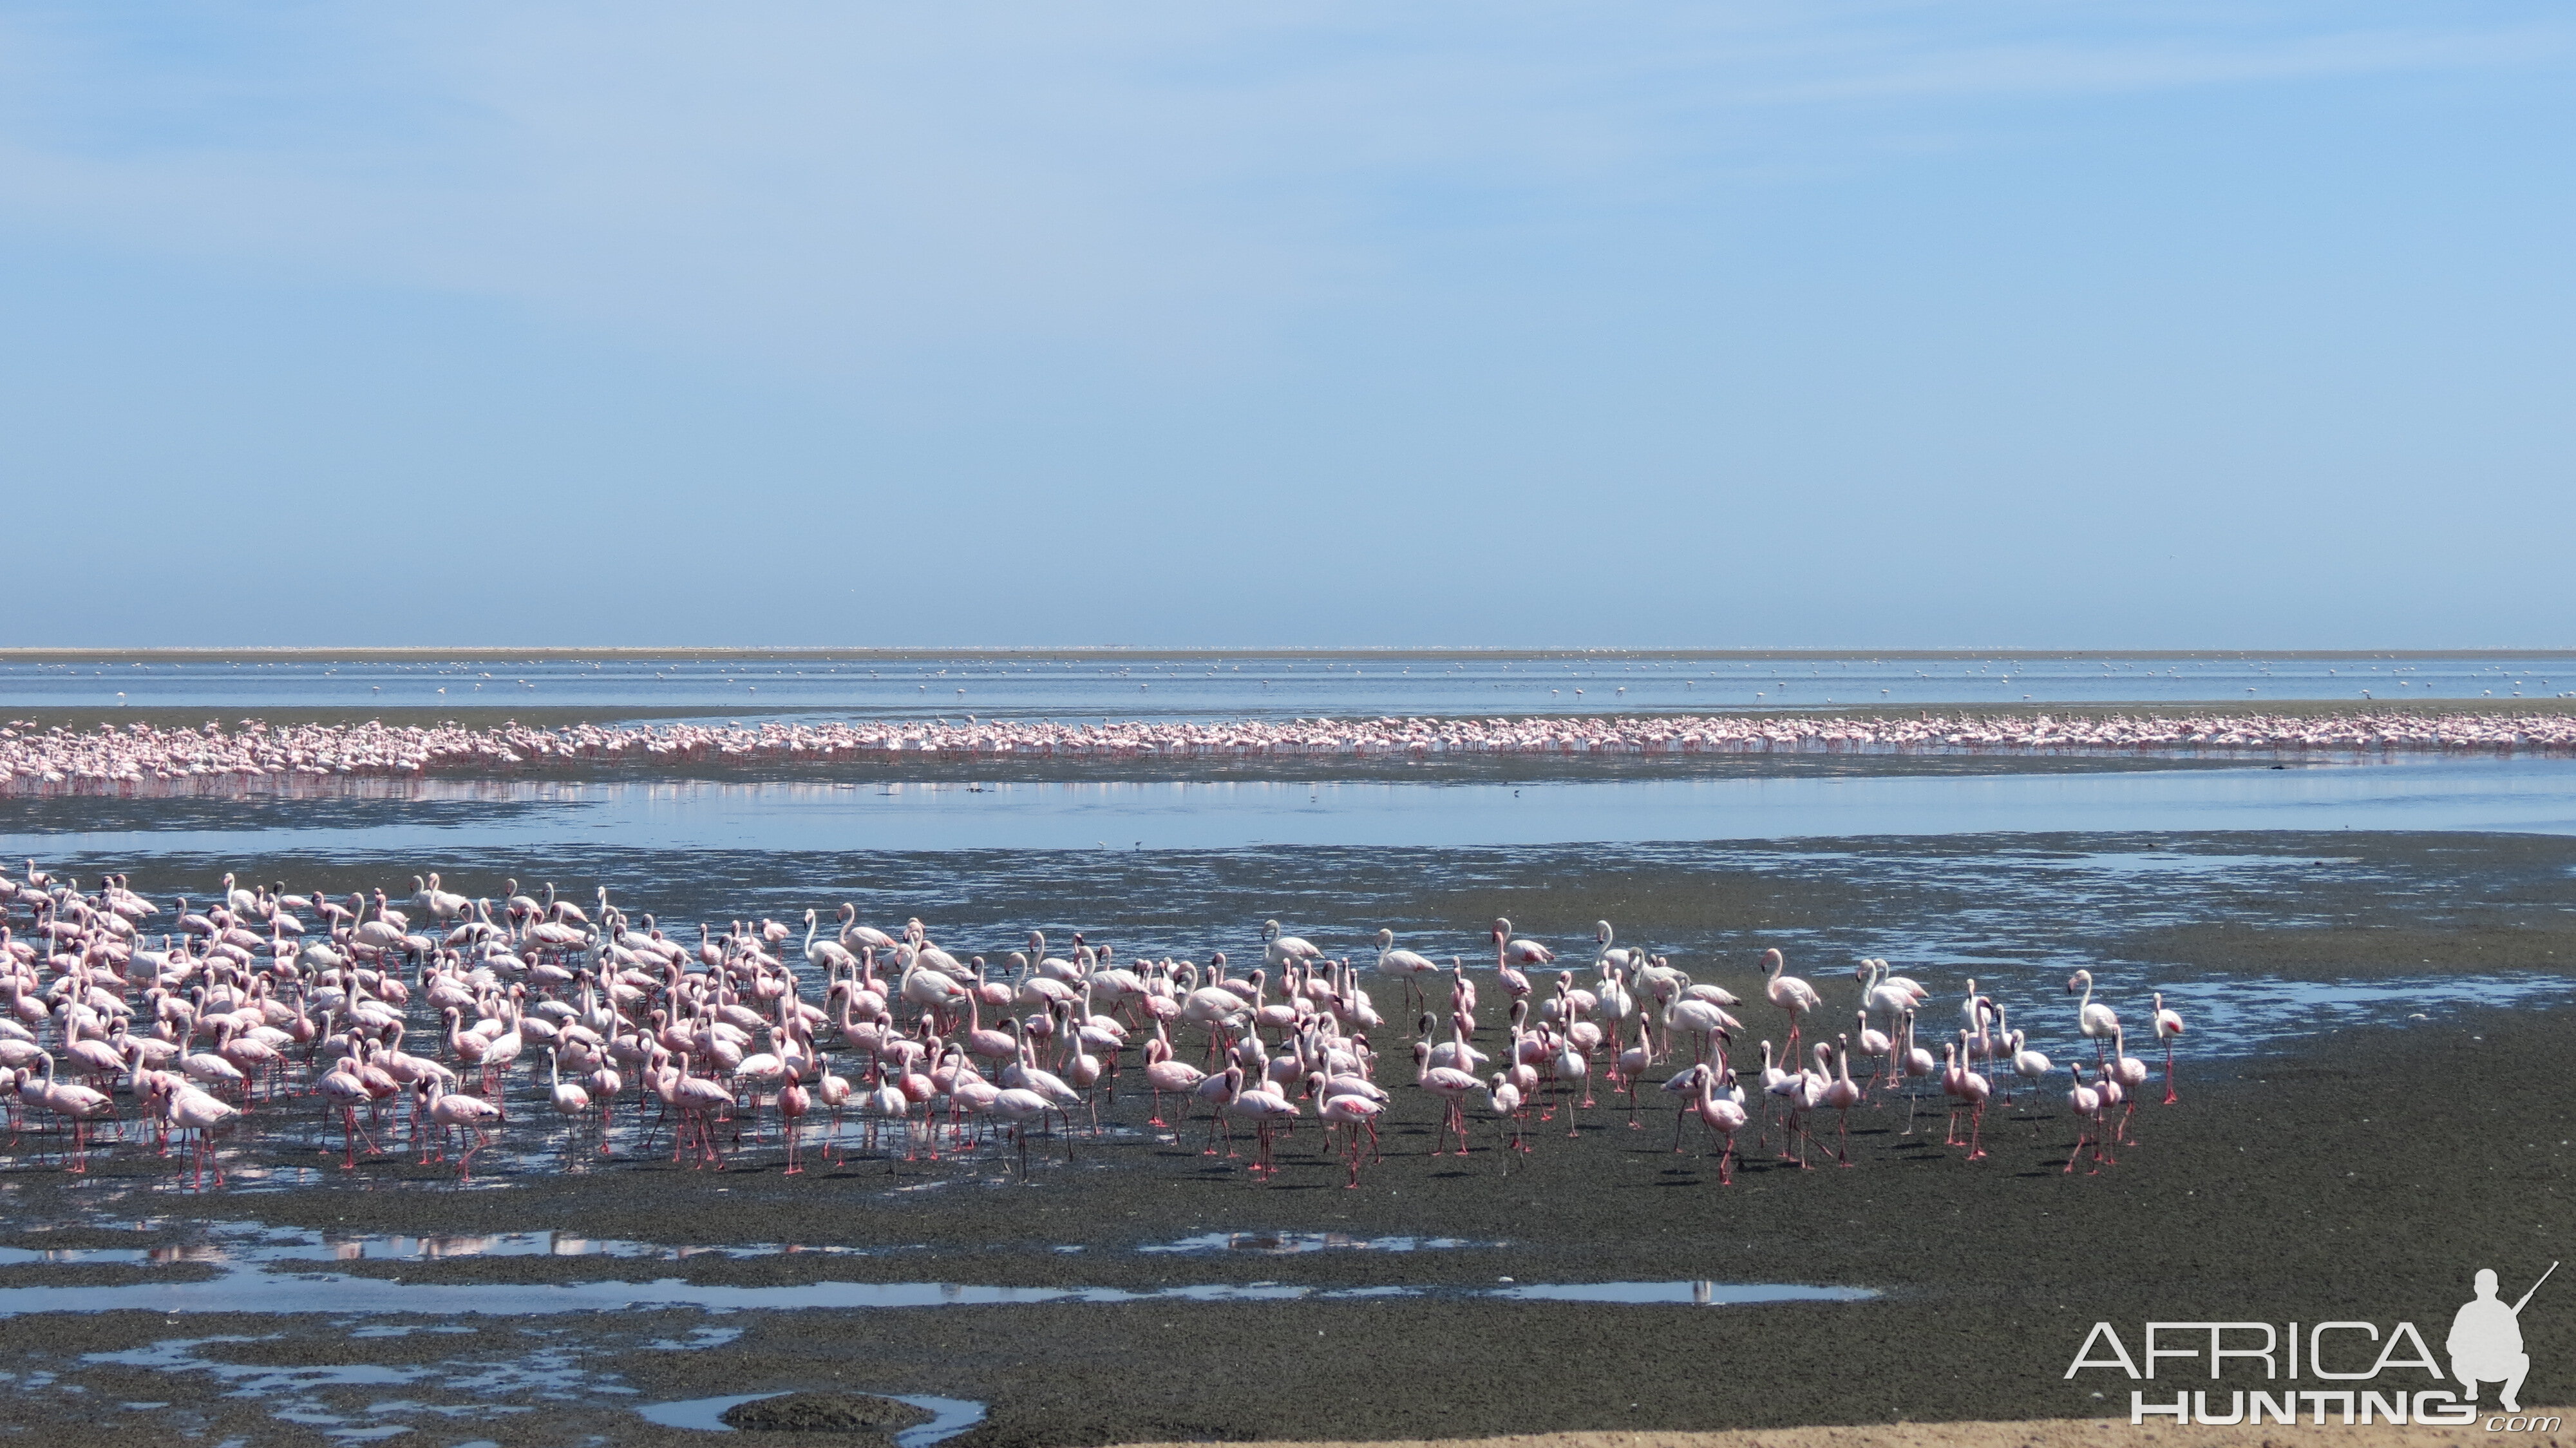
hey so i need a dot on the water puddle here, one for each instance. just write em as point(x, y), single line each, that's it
point(1697, 1294)
point(548, 1374)
point(948, 1416)
point(2234, 1017)
point(1286, 1244)
point(253, 1243)
point(281, 1292)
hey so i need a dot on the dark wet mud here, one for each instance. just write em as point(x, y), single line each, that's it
point(2351, 1166)
point(2350, 1180)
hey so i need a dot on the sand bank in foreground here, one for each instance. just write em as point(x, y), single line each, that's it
point(2037, 1433)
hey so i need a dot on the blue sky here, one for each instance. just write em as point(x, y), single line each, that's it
point(2038, 324)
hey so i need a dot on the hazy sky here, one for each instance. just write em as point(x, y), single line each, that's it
point(1811, 323)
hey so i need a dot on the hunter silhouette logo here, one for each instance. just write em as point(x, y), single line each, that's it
point(2362, 1373)
point(2486, 1341)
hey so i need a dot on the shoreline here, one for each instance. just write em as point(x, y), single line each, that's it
point(142, 760)
point(195, 716)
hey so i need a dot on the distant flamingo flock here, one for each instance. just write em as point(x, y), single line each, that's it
point(146, 760)
point(347, 1019)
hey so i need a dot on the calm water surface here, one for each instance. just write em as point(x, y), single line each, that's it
point(1144, 685)
point(2520, 795)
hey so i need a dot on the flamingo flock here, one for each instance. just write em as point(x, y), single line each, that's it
point(142, 759)
point(344, 1021)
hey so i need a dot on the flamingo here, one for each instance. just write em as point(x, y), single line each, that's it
point(2029, 1065)
point(344, 1088)
point(827, 956)
point(2095, 1020)
point(1019, 1106)
point(2086, 1103)
point(1278, 950)
point(2131, 1075)
point(1405, 965)
point(1354, 1114)
point(1873, 1043)
point(1451, 1084)
point(1725, 1115)
point(1162, 1074)
point(456, 1111)
point(79, 1105)
point(200, 1116)
point(1913, 1063)
point(1510, 953)
point(568, 1099)
point(1967, 1091)
point(795, 1099)
point(1503, 1099)
point(1790, 994)
point(2168, 1029)
point(1842, 1094)
point(1265, 1109)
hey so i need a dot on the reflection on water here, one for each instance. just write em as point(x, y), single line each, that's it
point(2524, 795)
point(1700, 1293)
point(251, 1242)
point(245, 1287)
point(546, 1375)
point(1288, 1244)
point(2257, 1015)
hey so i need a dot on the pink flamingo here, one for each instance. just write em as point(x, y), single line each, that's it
point(2131, 1074)
point(79, 1105)
point(1354, 1114)
point(1451, 1084)
point(1725, 1115)
point(1162, 1074)
point(456, 1111)
point(794, 1100)
point(1790, 994)
point(2168, 1030)
point(2094, 1020)
point(343, 1089)
point(1842, 1094)
point(1967, 1092)
point(2086, 1103)
point(201, 1116)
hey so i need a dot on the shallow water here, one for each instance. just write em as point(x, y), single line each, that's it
point(1133, 685)
point(949, 1416)
point(284, 1292)
point(1290, 1244)
point(2527, 795)
point(253, 1243)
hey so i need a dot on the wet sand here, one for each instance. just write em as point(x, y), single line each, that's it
point(2036, 1434)
point(2041, 1433)
point(2363, 1175)
point(2292, 1190)
point(2360, 1173)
